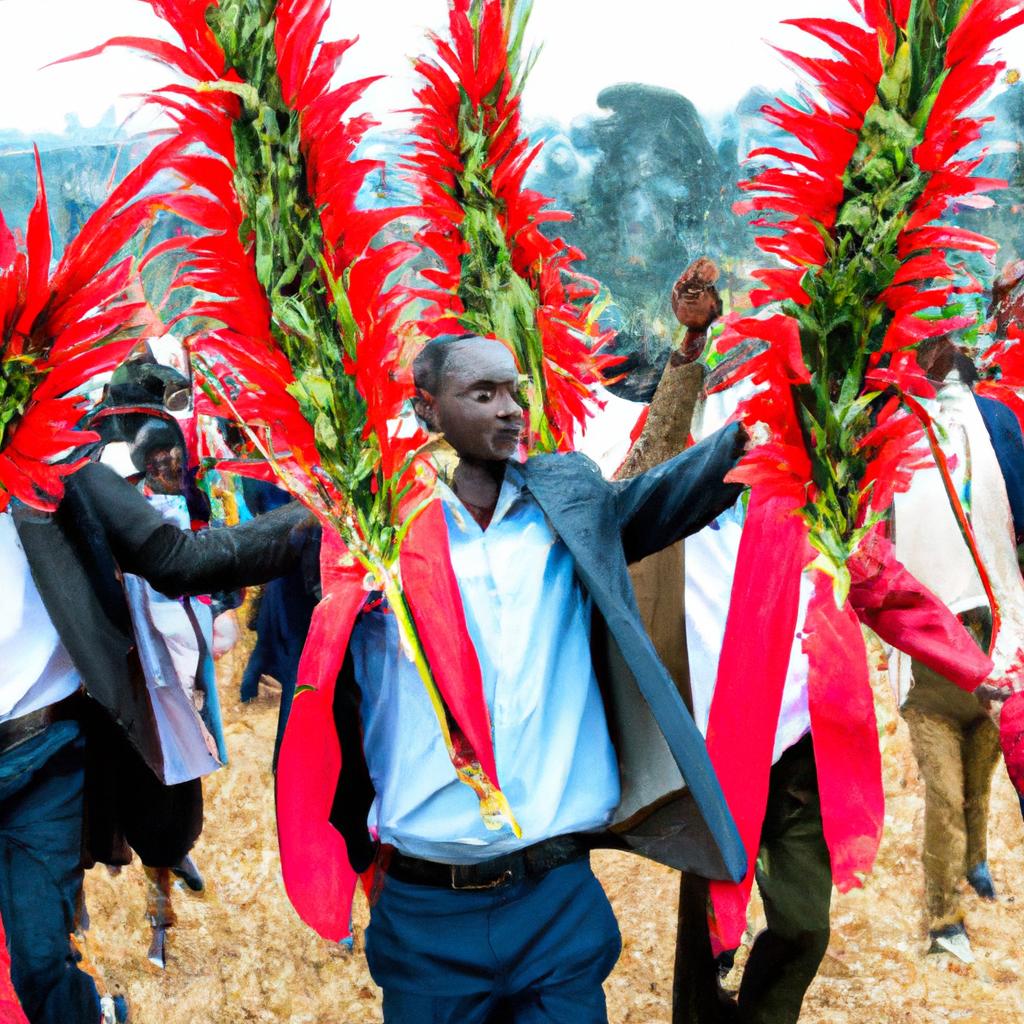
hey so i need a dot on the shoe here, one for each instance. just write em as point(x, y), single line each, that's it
point(980, 879)
point(952, 940)
point(157, 955)
point(187, 871)
point(113, 1009)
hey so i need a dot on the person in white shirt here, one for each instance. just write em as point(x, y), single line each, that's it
point(955, 742)
point(79, 742)
point(471, 923)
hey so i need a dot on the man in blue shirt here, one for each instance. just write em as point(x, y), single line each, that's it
point(592, 742)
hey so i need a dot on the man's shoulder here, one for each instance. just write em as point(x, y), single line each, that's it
point(91, 478)
point(997, 411)
point(98, 495)
point(561, 464)
point(568, 484)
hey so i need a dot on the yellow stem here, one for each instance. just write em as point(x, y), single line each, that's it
point(495, 809)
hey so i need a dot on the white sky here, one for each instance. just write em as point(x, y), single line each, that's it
point(712, 51)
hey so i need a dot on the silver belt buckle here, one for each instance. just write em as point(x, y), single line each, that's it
point(505, 876)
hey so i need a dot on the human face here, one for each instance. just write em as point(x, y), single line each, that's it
point(163, 470)
point(476, 407)
point(937, 359)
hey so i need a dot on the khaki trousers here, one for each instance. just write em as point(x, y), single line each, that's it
point(957, 749)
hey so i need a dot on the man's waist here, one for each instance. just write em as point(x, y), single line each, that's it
point(506, 869)
point(15, 731)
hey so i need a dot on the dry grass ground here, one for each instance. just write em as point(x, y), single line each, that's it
point(239, 954)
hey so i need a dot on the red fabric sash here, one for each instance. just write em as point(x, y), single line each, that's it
point(907, 615)
point(756, 648)
point(1011, 738)
point(846, 750)
point(317, 876)
point(432, 592)
point(10, 1008)
point(883, 595)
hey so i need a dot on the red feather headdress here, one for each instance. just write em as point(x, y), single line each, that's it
point(61, 327)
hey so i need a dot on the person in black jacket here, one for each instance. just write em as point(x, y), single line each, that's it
point(81, 754)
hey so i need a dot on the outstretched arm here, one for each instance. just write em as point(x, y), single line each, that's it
point(907, 615)
point(680, 496)
point(178, 561)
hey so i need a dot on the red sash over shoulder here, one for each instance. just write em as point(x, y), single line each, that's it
point(741, 731)
point(758, 639)
point(10, 1008)
point(317, 875)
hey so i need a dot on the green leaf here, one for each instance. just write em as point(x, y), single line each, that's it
point(325, 434)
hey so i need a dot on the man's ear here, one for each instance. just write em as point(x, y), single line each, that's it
point(425, 407)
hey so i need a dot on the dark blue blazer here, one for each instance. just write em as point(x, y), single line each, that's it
point(1004, 431)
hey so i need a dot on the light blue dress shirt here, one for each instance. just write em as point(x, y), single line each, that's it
point(529, 621)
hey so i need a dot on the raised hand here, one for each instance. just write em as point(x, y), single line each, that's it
point(696, 304)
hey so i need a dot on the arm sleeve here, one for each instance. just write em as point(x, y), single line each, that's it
point(180, 562)
point(907, 615)
point(679, 497)
point(1004, 432)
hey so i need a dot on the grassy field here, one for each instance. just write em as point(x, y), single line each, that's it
point(239, 953)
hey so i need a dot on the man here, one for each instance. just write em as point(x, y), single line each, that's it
point(955, 742)
point(81, 756)
point(793, 868)
point(472, 925)
point(793, 871)
point(175, 637)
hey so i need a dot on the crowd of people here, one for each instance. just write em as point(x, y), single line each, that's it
point(595, 596)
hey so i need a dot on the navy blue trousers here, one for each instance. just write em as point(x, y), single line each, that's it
point(41, 876)
point(535, 952)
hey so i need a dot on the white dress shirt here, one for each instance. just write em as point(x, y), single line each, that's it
point(928, 539)
point(35, 668)
point(710, 566)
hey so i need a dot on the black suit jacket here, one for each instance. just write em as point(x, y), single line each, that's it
point(103, 527)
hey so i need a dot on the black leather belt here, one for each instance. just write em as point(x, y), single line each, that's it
point(530, 862)
point(16, 731)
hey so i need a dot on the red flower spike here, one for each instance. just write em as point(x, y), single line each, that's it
point(799, 195)
point(39, 247)
point(60, 327)
point(470, 78)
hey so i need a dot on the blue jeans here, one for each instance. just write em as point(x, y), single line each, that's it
point(535, 952)
point(41, 785)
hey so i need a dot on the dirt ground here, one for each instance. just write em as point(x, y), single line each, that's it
point(239, 954)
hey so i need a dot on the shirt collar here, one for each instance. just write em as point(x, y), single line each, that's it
point(513, 487)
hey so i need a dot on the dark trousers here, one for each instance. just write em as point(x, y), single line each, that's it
point(41, 875)
point(535, 952)
point(795, 880)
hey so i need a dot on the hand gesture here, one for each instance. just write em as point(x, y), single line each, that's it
point(696, 304)
point(695, 300)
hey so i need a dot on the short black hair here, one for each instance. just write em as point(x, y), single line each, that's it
point(432, 360)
